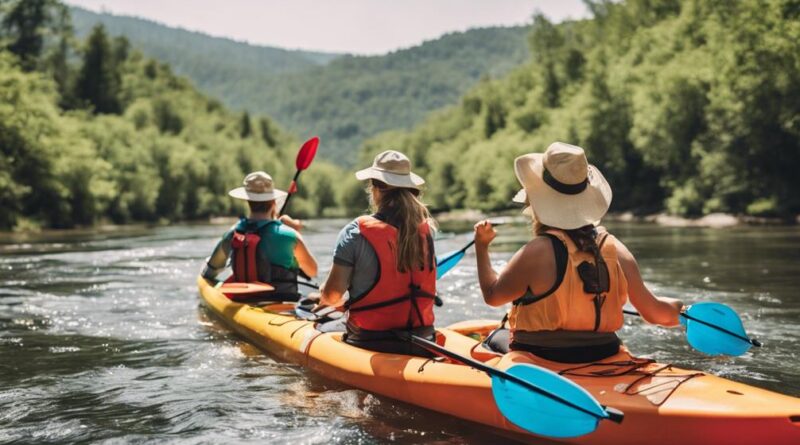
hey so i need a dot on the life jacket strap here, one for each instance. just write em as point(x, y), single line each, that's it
point(414, 294)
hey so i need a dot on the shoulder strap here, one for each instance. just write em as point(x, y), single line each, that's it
point(561, 257)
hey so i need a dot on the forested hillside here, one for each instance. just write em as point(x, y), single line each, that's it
point(345, 101)
point(207, 60)
point(691, 106)
point(95, 131)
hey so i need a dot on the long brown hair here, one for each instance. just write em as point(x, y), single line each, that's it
point(403, 208)
point(585, 238)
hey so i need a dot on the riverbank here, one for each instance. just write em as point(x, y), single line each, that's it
point(712, 220)
point(451, 219)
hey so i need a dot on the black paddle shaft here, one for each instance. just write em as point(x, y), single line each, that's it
point(613, 414)
point(469, 244)
point(752, 341)
point(288, 196)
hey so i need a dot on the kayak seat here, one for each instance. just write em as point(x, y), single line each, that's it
point(498, 341)
point(389, 343)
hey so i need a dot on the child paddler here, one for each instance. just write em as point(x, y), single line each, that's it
point(261, 247)
point(568, 285)
point(386, 262)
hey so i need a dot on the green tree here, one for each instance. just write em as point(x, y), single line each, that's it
point(267, 131)
point(245, 127)
point(25, 26)
point(98, 79)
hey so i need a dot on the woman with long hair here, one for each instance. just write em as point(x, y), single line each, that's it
point(569, 283)
point(385, 262)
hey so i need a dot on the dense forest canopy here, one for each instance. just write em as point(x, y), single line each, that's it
point(688, 106)
point(93, 130)
point(344, 99)
point(692, 106)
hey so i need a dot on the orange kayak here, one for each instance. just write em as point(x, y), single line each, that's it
point(663, 404)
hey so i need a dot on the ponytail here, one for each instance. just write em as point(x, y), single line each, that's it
point(402, 206)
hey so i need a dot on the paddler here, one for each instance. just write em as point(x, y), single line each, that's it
point(262, 247)
point(569, 283)
point(386, 262)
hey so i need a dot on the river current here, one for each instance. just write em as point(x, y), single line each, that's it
point(103, 339)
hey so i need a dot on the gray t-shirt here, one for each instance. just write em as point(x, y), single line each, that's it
point(353, 250)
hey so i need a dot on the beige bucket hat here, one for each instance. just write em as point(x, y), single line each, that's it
point(561, 188)
point(257, 187)
point(392, 168)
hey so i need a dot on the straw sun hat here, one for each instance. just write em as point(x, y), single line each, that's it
point(561, 188)
point(257, 187)
point(392, 168)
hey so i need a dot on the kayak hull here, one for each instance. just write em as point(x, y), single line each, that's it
point(670, 406)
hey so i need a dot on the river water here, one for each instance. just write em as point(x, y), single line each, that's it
point(102, 338)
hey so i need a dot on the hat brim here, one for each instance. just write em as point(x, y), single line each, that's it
point(559, 210)
point(242, 193)
point(410, 180)
point(521, 197)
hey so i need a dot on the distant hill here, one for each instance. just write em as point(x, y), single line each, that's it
point(212, 59)
point(344, 99)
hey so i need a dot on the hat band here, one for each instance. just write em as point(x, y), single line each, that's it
point(567, 189)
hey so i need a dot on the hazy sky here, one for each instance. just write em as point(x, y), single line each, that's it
point(359, 26)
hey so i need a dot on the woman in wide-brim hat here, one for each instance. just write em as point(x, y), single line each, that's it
point(263, 248)
point(386, 262)
point(569, 283)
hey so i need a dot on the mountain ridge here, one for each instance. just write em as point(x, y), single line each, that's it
point(343, 98)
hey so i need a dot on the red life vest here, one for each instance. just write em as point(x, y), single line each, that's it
point(244, 248)
point(399, 300)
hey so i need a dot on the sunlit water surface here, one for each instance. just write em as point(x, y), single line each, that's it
point(102, 338)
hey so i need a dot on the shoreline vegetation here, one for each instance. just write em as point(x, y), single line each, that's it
point(453, 218)
point(670, 99)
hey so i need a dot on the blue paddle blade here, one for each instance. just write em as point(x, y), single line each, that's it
point(712, 341)
point(540, 414)
point(447, 261)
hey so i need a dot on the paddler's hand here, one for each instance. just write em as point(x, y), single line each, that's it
point(484, 233)
point(296, 224)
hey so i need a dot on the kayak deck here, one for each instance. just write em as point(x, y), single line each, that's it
point(662, 403)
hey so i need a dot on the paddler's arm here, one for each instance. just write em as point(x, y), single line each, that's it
point(287, 220)
point(511, 283)
point(333, 289)
point(344, 260)
point(306, 261)
point(218, 260)
point(662, 311)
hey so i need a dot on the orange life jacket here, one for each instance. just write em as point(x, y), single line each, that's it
point(399, 300)
point(584, 300)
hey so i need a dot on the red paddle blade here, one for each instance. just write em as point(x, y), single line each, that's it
point(307, 153)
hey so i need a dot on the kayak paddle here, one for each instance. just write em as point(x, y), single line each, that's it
point(447, 261)
point(303, 160)
point(552, 406)
point(714, 329)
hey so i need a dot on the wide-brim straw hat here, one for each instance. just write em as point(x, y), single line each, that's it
point(257, 187)
point(561, 188)
point(393, 168)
